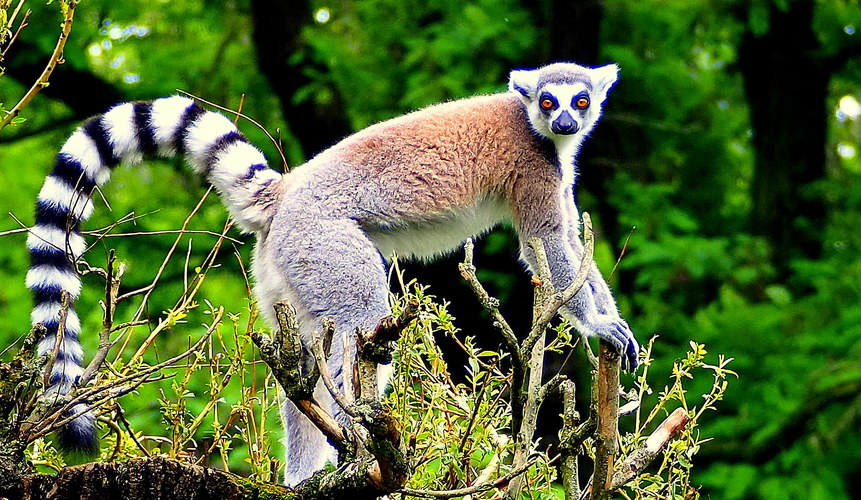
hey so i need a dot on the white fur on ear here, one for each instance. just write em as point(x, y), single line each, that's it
point(524, 82)
point(604, 77)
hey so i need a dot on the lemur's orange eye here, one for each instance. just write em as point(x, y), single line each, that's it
point(546, 103)
point(582, 103)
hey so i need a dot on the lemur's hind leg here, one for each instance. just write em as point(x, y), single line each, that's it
point(333, 271)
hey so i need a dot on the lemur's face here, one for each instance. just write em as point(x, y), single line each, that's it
point(564, 109)
point(563, 99)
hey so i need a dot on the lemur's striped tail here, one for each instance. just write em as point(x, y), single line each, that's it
point(126, 134)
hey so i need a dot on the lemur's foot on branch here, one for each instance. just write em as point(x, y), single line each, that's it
point(618, 333)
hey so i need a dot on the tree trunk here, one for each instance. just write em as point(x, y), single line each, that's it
point(581, 45)
point(278, 37)
point(786, 84)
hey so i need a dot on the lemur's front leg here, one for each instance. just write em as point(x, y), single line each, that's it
point(607, 314)
point(604, 301)
point(605, 304)
point(593, 310)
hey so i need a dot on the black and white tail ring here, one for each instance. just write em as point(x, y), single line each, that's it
point(126, 135)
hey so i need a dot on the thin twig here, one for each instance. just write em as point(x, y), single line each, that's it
point(112, 286)
point(121, 416)
point(133, 293)
point(56, 58)
point(142, 307)
point(500, 482)
point(590, 354)
point(490, 304)
point(14, 231)
point(621, 254)
point(166, 231)
point(317, 349)
point(242, 115)
point(15, 14)
point(118, 446)
point(18, 31)
point(94, 396)
point(187, 297)
point(128, 324)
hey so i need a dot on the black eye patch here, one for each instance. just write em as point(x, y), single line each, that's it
point(581, 101)
point(547, 102)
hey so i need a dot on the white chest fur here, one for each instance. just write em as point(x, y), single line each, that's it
point(433, 236)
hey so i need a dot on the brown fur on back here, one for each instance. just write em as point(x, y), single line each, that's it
point(446, 156)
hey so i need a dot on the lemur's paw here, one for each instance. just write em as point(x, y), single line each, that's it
point(618, 333)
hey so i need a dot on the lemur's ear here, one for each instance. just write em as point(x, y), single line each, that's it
point(524, 82)
point(603, 78)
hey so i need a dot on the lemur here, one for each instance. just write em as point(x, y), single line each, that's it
point(415, 186)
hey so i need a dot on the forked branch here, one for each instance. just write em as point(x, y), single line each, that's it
point(372, 458)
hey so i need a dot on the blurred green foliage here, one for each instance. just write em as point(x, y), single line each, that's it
point(673, 151)
point(444, 50)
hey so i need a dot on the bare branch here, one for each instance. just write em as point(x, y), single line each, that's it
point(490, 304)
point(569, 468)
point(371, 452)
point(95, 396)
point(526, 388)
point(606, 447)
point(112, 286)
point(500, 482)
point(56, 58)
point(283, 355)
point(642, 457)
point(320, 357)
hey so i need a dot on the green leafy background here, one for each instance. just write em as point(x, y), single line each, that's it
point(672, 157)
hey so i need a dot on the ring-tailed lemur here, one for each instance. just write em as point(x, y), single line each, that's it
point(415, 186)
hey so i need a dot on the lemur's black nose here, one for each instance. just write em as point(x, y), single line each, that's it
point(564, 124)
